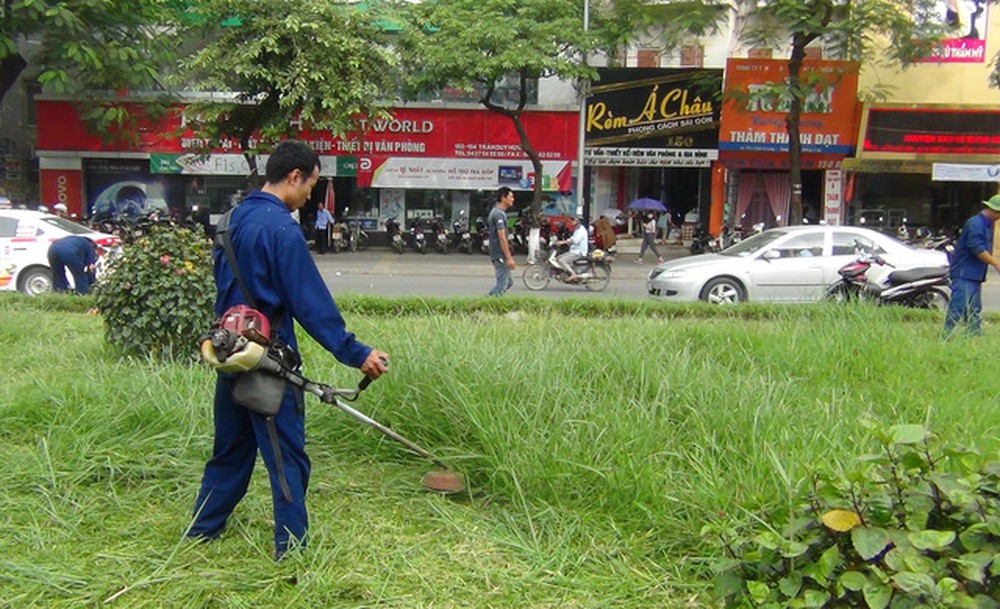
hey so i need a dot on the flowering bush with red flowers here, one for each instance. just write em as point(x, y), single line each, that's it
point(158, 296)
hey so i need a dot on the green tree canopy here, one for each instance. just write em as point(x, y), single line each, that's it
point(77, 46)
point(899, 31)
point(291, 64)
point(476, 45)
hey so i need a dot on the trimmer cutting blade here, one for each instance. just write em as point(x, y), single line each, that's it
point(443, 481)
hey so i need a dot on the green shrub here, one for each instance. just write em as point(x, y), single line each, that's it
point(158, 296)
point(917, 525)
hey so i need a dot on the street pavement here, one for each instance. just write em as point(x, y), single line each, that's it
point(381, 271)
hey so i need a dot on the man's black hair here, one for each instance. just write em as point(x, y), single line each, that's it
point(288, 156)
point(502, 192)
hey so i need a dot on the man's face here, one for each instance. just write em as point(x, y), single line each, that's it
point(300, 187)
point(507, 200)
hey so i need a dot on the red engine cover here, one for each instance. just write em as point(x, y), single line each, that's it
point(244, 321)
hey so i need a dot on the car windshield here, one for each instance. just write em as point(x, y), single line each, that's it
point(67, 225)
point(748, 247)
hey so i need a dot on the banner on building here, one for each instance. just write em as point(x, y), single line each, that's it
point(662, 117)
point(461, 174)
point(408, 132)
point(757, 103)
point(967, 22)
point(958, 172)
point(908, 131)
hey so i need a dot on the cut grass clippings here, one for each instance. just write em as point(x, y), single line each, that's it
point(598, 437)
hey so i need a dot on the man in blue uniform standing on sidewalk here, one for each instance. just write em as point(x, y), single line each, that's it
point(79, 255)
point(972, 256)
point(274, 262)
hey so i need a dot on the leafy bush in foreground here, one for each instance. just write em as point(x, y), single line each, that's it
point(158, 297)
point(915, 526)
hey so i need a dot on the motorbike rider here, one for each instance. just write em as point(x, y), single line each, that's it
point(577, 242)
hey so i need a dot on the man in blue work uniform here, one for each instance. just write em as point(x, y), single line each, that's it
point(79, 255)
point(973, 254)
point(274, 262)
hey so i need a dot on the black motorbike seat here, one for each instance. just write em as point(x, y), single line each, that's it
point(917, 274)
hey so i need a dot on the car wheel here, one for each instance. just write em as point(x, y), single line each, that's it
point(723, 290)
point(35, 280)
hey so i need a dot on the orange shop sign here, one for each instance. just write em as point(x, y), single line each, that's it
point(757, 103)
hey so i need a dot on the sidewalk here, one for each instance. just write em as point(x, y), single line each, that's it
point(382, 261)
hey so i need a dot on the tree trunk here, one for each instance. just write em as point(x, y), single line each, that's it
point(11, 67)
point(535, 217)
point(794, 121)
point(536, 164)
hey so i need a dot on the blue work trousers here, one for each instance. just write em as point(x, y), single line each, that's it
point(503, 278)
point(239, 434)
point(64, 255)
point(966, 306)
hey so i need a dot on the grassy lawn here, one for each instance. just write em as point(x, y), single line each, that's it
point(598, 438)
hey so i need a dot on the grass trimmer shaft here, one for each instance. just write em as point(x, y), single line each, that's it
point(444, 481)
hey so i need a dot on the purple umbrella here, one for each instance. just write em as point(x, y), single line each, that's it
point(647, 204)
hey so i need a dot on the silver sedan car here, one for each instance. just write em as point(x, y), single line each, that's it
point(789, 264)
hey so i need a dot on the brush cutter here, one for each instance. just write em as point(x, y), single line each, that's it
point(250, 355)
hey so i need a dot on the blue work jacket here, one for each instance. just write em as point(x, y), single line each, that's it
point(274, 261)
point(976, 237)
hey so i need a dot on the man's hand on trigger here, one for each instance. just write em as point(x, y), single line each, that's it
point(376, 364)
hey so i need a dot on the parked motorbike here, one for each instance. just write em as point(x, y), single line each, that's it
point(338, 237)
point(519, 237)
point(461, 238)
point(593, 272)
point(440, 235)
point(544, 236)
point(701, 241)
point(357, 238)
point(417, 239)
point(482, 235)
point(919, 288)
point(395, 234)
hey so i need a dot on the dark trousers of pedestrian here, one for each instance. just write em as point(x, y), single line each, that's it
point(239, 434)
point(966, 306)
point(648, 240)
point(65, 255)
point(322, 239)
point(503, 278)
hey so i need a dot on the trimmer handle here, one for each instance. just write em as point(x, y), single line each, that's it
point(368, 381)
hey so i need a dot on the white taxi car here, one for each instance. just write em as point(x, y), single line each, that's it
point(25, 236)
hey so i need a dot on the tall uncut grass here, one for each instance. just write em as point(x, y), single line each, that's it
point(597, 439)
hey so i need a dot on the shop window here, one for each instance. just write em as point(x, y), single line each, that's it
point(693, 56)
point(648, 58)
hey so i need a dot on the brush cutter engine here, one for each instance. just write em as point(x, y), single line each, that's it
point(239, 341)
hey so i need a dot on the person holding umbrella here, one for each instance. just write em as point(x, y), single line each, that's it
point(649, 237)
